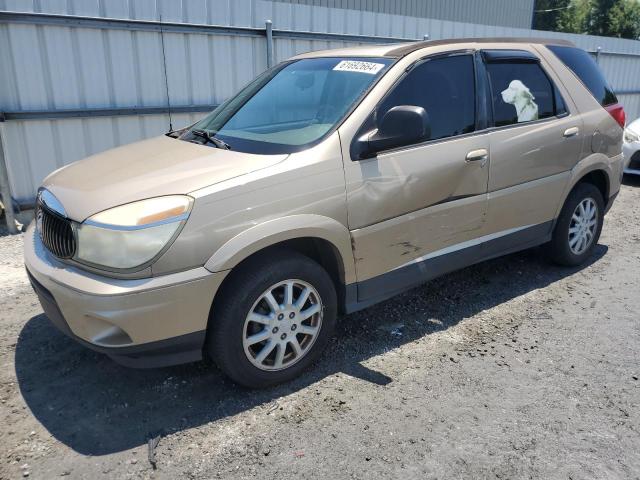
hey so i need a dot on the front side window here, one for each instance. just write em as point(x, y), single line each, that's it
point(445, 88)
point(292, 106)
point(521, 92)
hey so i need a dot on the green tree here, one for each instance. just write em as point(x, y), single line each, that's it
point(611, 18)
point(599, 17)
point(624, 20)
point(576, 18)
point(547, 13)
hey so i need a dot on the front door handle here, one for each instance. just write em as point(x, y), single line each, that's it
point(571, 132)
point(481, 155)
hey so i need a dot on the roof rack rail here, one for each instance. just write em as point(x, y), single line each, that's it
point(406, 49)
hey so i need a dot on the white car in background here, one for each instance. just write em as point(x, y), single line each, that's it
point(631, 148)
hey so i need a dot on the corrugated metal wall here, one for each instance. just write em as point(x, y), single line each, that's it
point(45, 67)
point(507, 13)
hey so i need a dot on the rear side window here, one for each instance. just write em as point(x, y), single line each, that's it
point(445, 88)
point(587, 70)
point(521, 92)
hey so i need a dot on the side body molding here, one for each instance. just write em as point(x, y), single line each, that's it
point(278, 230)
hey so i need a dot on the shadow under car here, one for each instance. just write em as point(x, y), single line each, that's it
point(97, 407)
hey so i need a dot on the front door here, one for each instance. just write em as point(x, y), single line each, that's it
point(422, 201)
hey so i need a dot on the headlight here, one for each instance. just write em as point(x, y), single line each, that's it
point(630, 136)
point(133, 234)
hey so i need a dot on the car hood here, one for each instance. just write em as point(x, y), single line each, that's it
point(635, 126)
point(150, 168)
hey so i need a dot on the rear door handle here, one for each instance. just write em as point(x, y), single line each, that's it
point(481, 155)
point(571, 132)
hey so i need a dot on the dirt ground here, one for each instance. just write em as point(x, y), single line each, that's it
point(513, 368)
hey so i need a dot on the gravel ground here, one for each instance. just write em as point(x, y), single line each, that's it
point(513, 368)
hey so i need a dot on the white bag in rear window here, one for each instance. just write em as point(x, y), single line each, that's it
point(519, 95)
point(358, 66)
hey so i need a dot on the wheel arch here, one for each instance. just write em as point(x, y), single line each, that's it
point(600, 179)
point(322, 239)
point(596, 170)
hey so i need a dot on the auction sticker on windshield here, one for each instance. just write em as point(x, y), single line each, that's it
point(358, 66)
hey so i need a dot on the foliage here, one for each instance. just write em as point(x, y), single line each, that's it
point(611, 18)
point(576, 18)
point(624, 20)
point(547, 13)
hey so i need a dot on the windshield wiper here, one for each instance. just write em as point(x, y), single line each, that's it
point(211, 139)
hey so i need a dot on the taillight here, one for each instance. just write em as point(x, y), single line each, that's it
point(617, 112)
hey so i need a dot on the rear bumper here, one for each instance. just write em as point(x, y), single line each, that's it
point(144, 323)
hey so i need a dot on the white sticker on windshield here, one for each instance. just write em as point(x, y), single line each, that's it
point(358, 66)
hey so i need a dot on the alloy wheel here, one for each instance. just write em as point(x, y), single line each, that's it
point(583, 225)
point(282, 325)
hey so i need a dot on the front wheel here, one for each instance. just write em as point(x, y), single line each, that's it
point(274, 317)
point(578, 227)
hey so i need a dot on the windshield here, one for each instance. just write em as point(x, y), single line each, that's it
point(290, 106)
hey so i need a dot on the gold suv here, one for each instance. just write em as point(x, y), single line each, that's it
point(331, 182)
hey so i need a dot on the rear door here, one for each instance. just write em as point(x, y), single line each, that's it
point(535, 141)
point(407, 203)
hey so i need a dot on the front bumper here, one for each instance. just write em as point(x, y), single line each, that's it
point(631, 152)
point(149, 322)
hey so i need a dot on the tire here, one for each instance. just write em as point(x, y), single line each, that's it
point(245, 292)
point(560, 248)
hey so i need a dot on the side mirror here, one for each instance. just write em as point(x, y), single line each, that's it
point(400, 126)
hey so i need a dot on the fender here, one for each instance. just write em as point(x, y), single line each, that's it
point(278, 230)
point(597, 161)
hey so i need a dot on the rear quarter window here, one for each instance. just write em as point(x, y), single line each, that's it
point(587, 70)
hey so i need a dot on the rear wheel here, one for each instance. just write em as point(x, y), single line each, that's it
point(273, 318)
point(578, 227)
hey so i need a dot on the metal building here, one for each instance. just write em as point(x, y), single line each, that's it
point(506, 13)
point(81, 76)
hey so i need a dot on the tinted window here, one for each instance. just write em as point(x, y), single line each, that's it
point(586, 70)
point(520, 92)
point(445, 88)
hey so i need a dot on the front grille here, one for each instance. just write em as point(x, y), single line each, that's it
point(56, 233)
